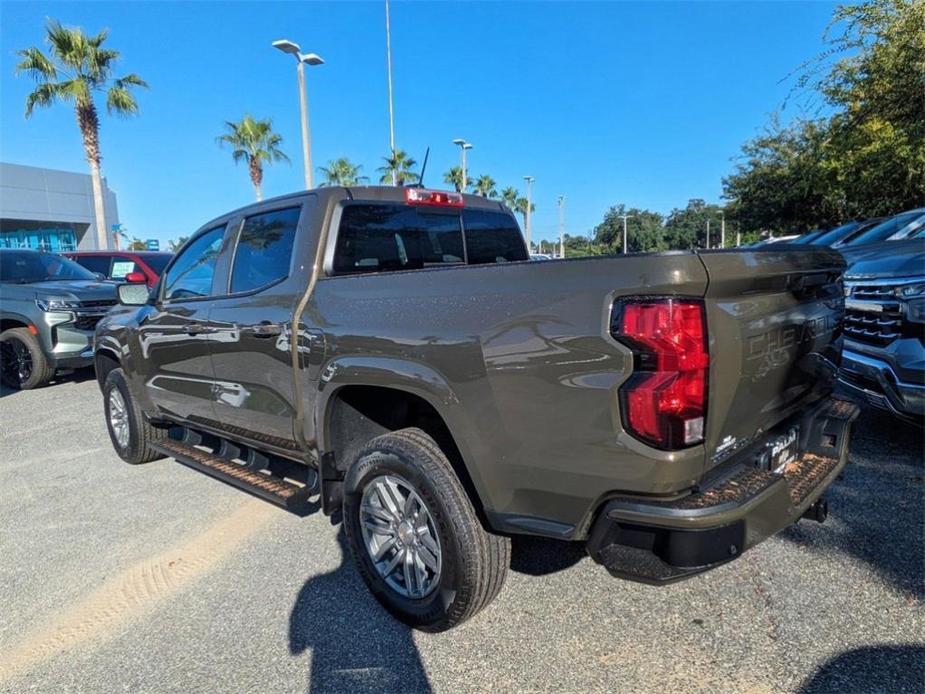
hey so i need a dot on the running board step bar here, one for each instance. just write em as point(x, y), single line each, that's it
point(288, 495)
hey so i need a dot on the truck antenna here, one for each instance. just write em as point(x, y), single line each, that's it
point(420, 183)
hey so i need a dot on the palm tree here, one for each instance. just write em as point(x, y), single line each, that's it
point(342, 172)
point(520, 206)
point(485, 186)
point(255, 143)
point(509, 197)
point(454, 177)
point(402, 165)
point(76, 67)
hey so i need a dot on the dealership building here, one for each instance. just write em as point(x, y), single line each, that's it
point(52, 210)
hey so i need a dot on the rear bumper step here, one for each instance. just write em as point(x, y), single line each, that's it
point(254, 476)
point(662, 542)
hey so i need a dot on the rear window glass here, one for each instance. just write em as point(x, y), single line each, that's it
point(264, 249)
point(95, 263)
point(383, 238)
point(492, 237)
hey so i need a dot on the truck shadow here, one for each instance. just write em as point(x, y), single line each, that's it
point(355, 644)
point(878, 503)
point(893, 668)
point(539, 556)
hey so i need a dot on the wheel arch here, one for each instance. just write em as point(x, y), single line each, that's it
point(361, 401)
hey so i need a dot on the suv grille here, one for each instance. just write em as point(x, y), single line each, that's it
point(90, 313)
point(881, 323)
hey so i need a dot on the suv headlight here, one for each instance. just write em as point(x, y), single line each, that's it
point(911, 290)
point(56, 304)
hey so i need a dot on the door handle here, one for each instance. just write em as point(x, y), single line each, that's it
point(196, 329)
point(265, 329)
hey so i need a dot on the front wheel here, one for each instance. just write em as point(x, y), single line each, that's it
point(131, 434)
point(415, 536)
point(23, 365)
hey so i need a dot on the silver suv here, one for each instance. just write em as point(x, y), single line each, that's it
point(49, 308)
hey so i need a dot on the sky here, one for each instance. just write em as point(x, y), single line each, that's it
point(646, 104)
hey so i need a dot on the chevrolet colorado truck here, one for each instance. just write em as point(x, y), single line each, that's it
point(390, 355)
point(49, 308)
point(884, 357)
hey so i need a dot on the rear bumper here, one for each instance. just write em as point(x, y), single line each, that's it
point(664, 541)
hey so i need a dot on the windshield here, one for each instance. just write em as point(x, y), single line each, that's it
point(157, 262)
point(26, 268)
point(832, 235)
point(886, 229)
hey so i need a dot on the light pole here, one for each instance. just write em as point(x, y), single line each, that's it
point(529, 180)
point(463, 146)
point(624, 217)
point(302, 59)
point(708, 234)
point(388, 60)
point(561, 203)
point(722, 229)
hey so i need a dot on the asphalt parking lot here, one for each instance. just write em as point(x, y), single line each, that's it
point(156, 578)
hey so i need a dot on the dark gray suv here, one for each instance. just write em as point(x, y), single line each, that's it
point(49, 308)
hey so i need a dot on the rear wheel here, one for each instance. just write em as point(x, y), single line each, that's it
point(415, 536)
point(23, 365)
point(131, 434)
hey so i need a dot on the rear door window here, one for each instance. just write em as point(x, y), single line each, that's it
point(384, 238)
point(264, 250)
point(492, 237)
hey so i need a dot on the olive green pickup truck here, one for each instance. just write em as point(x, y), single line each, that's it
point(391, 356)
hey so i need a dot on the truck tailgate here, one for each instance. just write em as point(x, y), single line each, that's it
point(774, 319)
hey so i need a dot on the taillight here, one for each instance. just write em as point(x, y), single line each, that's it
point(664, 402)
point(433, 198)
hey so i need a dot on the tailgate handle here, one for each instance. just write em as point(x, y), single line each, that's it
point(799, 283)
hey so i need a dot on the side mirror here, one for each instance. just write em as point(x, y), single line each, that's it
point(136, 278)
point(133, 294)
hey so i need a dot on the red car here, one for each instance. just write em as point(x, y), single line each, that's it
point(125, 266)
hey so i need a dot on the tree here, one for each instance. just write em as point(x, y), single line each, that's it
point(509, 197)
point(455, 178)
point(865, 159)
point(644, 230)
point(485, 186)
point(342, 172)
point(402, 165)
point(255, 143)
point(137, 244)
point(76, 68)
point(687, 228)
point(175, 245)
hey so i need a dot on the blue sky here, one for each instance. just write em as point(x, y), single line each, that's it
point(642, 103)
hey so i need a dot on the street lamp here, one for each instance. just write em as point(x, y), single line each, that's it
point(463, 146)
point(527, 218)
point(624, 217)
point(561, 203)
point(722, 228)
point(302, 59)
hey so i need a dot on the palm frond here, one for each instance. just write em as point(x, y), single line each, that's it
point(37, 64)
point(120, 101)
point(68, 45)
point(44, 95)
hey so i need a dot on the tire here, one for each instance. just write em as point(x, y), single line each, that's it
point(133, 443)
point(472, 563)
point(23, 365)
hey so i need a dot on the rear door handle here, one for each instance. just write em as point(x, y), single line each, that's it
point(265, 329)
